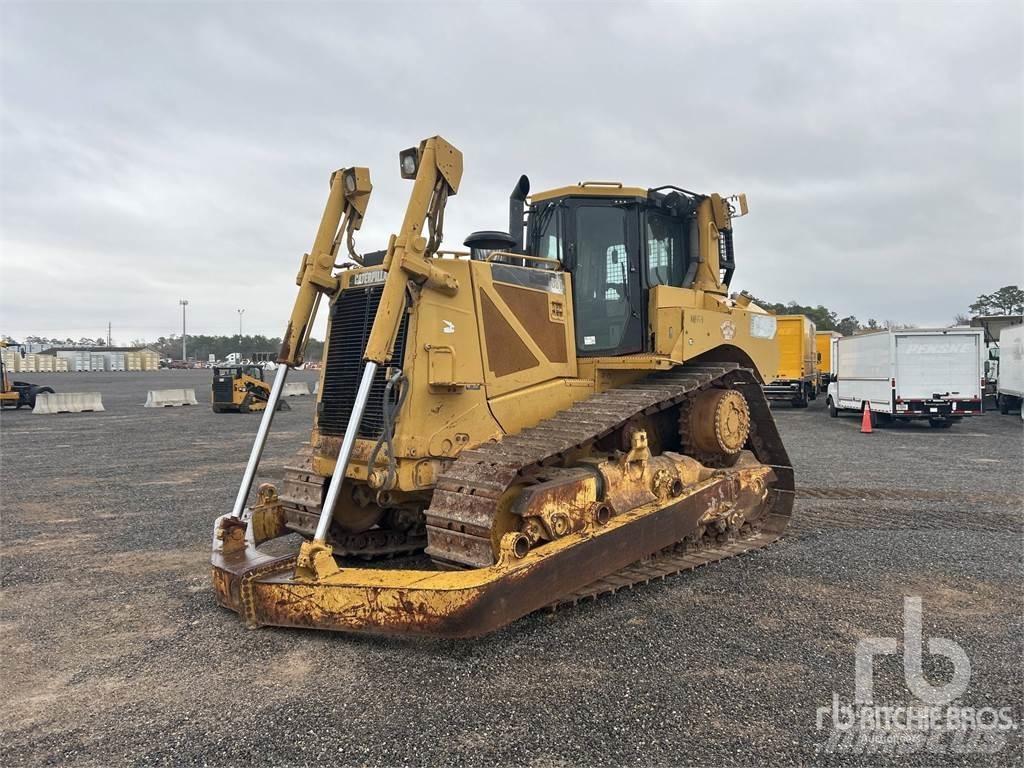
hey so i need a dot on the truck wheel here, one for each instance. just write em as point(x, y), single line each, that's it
point(832, 410)
point(800, 402)
point(1004, 404)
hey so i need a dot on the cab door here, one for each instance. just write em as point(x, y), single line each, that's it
point(604, 257)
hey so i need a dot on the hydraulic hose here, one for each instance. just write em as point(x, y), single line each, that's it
point(390, 407)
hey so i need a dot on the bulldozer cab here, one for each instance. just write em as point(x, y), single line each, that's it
point(618, 243)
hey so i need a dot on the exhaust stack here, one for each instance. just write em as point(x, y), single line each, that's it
point(516, 208)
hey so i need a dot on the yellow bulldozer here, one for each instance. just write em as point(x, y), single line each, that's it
point(562, 410)
point(241, 389)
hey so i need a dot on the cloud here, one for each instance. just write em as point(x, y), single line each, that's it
point(151, 152)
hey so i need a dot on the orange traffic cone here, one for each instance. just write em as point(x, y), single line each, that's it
point(865, 420)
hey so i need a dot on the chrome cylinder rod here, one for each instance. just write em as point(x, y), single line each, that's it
point(261, 441)
point(345, 453)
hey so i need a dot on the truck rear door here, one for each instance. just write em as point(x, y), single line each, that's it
point(937, 366)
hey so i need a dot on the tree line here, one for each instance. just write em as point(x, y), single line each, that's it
point(1008, 300)
point(200, 347)
point(826, 319)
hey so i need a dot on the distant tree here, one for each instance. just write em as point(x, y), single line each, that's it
point(1008, 300)
point(822, 317)
point(872, 324)
point(961, 319)
point(848, 325)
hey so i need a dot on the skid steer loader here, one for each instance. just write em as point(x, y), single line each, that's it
point(529, 423)
point(240, 389)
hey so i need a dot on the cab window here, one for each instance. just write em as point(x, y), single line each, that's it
point(549, 239)
point(600, 278)
point(666, 261)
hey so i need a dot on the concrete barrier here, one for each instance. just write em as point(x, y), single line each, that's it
point(68, 402)
point(163, 398)
point(295, 389)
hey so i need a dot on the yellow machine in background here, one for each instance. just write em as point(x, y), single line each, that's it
point(528, 422)
point(17, 394)
point(824, 342)
point(796, 378)
point(241, 389)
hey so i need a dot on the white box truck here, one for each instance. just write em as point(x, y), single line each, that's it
point(1010, 382)
point(911, 374)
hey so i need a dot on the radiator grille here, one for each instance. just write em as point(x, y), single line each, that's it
point(222, 388)
point(351, 320)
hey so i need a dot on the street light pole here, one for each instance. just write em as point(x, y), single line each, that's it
point(240, 313)
point(184, 303)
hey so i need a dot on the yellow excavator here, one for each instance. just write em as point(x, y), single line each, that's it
point(562, 410)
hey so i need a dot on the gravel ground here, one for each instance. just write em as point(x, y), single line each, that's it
point(115, 652)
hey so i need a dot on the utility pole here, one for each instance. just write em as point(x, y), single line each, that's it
point(108, 335)
point(240, 313)
point(184, 303)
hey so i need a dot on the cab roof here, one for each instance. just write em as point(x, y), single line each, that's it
point(590, 189)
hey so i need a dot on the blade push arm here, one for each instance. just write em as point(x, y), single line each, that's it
point(437, 168)
point(343, 215)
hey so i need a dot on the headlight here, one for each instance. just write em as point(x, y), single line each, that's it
point(763, 326)
point(409, 161)
point(350, 180)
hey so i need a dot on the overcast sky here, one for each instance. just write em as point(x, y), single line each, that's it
point(152, 152)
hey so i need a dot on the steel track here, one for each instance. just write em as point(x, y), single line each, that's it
point(465, 506)
point(301, 495)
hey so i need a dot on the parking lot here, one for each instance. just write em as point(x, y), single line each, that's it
point(115, 650)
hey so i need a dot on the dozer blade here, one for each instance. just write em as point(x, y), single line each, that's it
point(469, 603)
